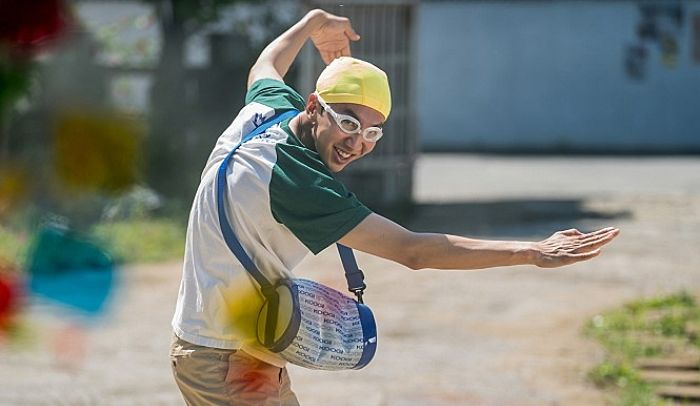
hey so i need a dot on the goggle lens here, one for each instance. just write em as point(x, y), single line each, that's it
point(349, 125)
point(372, 135)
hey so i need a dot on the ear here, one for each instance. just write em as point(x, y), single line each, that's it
point(312, 106)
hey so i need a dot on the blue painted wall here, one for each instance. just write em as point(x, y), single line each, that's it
point(550, 75)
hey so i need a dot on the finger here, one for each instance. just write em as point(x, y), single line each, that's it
point(595, 244)
point(351, 34)
point(601, 231)
point(608, 236)
point(593, 237)
point(345, 51)
point(572, 232)
point(583, 256)
point(327, 57)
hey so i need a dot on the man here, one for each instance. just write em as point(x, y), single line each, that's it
point(283, 201)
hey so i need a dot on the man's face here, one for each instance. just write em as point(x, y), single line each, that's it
point(338, 148)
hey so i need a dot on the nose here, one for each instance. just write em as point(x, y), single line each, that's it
point(354, 141)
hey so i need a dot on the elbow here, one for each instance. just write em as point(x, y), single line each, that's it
point(413, 266)
point(413, 260)
point(422, 251)
point(413, 255)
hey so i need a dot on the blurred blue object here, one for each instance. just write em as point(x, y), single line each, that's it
point(69, 270)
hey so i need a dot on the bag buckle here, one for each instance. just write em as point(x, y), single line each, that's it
point(358, 292)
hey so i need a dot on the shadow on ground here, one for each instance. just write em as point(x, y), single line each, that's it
point(513, 218)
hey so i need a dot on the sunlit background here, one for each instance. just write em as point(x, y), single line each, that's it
point(511, 119)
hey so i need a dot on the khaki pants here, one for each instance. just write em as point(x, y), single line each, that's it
point(211, 376)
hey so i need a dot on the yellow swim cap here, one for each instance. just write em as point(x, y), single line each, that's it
point(350, 80)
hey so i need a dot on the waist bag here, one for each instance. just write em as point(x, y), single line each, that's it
point(306, 323)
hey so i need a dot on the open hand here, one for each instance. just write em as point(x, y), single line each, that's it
point(571, 246)
point(332, 38)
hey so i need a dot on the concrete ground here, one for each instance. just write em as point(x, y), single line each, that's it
point(496, 337)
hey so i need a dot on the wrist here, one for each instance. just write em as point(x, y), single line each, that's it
point(528, 253)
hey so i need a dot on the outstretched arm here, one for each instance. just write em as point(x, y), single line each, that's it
point(330, 34)
point(382, 237)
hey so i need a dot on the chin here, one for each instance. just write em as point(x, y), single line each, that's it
point(333, 166)
point(337, 169)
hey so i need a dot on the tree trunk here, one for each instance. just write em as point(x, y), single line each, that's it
point(169, 114)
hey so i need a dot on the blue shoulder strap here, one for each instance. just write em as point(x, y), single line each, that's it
point(353, 274)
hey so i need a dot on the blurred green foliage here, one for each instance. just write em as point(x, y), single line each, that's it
point(14, 79)
point(634, 391)
point(13, 244)
point(643, 328)
point(127, 241)
point(144, 240)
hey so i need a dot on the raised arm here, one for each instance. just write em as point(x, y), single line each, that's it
point(382, 237)
point(330, 34)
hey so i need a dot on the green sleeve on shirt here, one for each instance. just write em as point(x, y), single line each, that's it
point(275, 94)
point(305, 197)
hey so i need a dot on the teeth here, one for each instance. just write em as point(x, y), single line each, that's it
point(343, 154)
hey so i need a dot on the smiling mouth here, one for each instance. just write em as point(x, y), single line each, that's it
point(342, 154)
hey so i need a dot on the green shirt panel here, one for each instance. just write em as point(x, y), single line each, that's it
point(307, 199)
point(275, 94)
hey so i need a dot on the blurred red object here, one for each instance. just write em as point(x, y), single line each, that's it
point(9, 297)
point(29, 25)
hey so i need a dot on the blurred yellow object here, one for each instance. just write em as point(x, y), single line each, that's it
point(243, 304)
point(97, 151)
point(13, 187)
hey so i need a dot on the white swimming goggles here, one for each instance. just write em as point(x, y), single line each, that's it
point(350, 124)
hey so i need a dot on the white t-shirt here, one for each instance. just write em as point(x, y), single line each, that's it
point(282, 202)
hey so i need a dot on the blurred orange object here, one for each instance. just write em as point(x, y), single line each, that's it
point(97, 152)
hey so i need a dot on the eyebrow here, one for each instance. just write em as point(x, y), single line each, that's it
point(351, 113)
